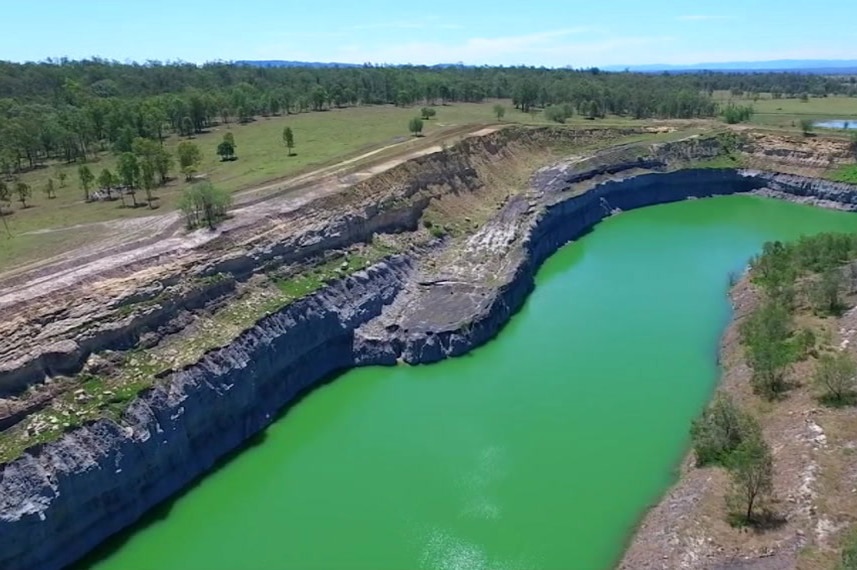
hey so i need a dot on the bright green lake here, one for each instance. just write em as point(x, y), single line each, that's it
point(539, 450)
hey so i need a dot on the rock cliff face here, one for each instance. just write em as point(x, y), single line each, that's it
point(60, 500)
point(454, 314)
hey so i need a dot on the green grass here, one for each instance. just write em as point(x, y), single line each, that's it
point(321, 138)
point(787, 113)
point(311, 281)
point(845, 174)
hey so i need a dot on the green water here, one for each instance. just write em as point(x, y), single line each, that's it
point(539, 450)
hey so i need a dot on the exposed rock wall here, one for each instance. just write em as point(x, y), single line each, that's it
point(392, 201)
point(562, 220)
point(59, 501)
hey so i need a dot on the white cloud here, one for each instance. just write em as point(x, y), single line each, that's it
point(551, 48)
point(574, 46)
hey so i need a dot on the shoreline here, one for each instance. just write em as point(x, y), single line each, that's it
point(661, 538)
point(814, 472)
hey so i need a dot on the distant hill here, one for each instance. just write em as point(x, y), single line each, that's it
point(284, 63)
point(815, 66)
point(825, 66)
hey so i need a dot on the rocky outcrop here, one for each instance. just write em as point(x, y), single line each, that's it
point(803, 190)
point(804, 154)
point(449, 315)
point(60, 500)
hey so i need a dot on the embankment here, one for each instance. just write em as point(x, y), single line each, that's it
point(61, 499)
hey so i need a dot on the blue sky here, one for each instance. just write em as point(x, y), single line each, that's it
point(546, 33)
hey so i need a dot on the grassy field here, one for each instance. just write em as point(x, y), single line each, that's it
point(787, 113)
point(320, 139)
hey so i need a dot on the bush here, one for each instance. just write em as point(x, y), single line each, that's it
point(824, 292)
point(737, 113)
point(849, 555)
point(559, 113)
point(803, 345)
point(835, 375)
point(204, 204)
point(718, 432)
point(415, 125)
point(427, 113)
point(816, 262)
point(765, 335)
point(438, 231)
point(751, 466)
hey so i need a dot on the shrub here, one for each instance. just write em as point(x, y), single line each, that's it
point(751, 466)
point(835, 375)
point(737, 113)
point(849, 555)
point(438, 231)
point(718, 432)
point(204, 204)
point(415, 125)
point(559, 113)
point(765, 335)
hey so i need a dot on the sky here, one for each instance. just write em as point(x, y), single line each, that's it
point(544, 33)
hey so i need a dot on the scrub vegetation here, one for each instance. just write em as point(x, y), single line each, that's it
point(805, 286)
point(813, 274)
point(729, 437)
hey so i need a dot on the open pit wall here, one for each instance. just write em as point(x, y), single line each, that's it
point(60, 500)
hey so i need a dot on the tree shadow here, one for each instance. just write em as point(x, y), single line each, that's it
point(846, 400)
point(760, 523)
point(767, 521)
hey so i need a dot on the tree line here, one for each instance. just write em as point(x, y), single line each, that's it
point(70, 110)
